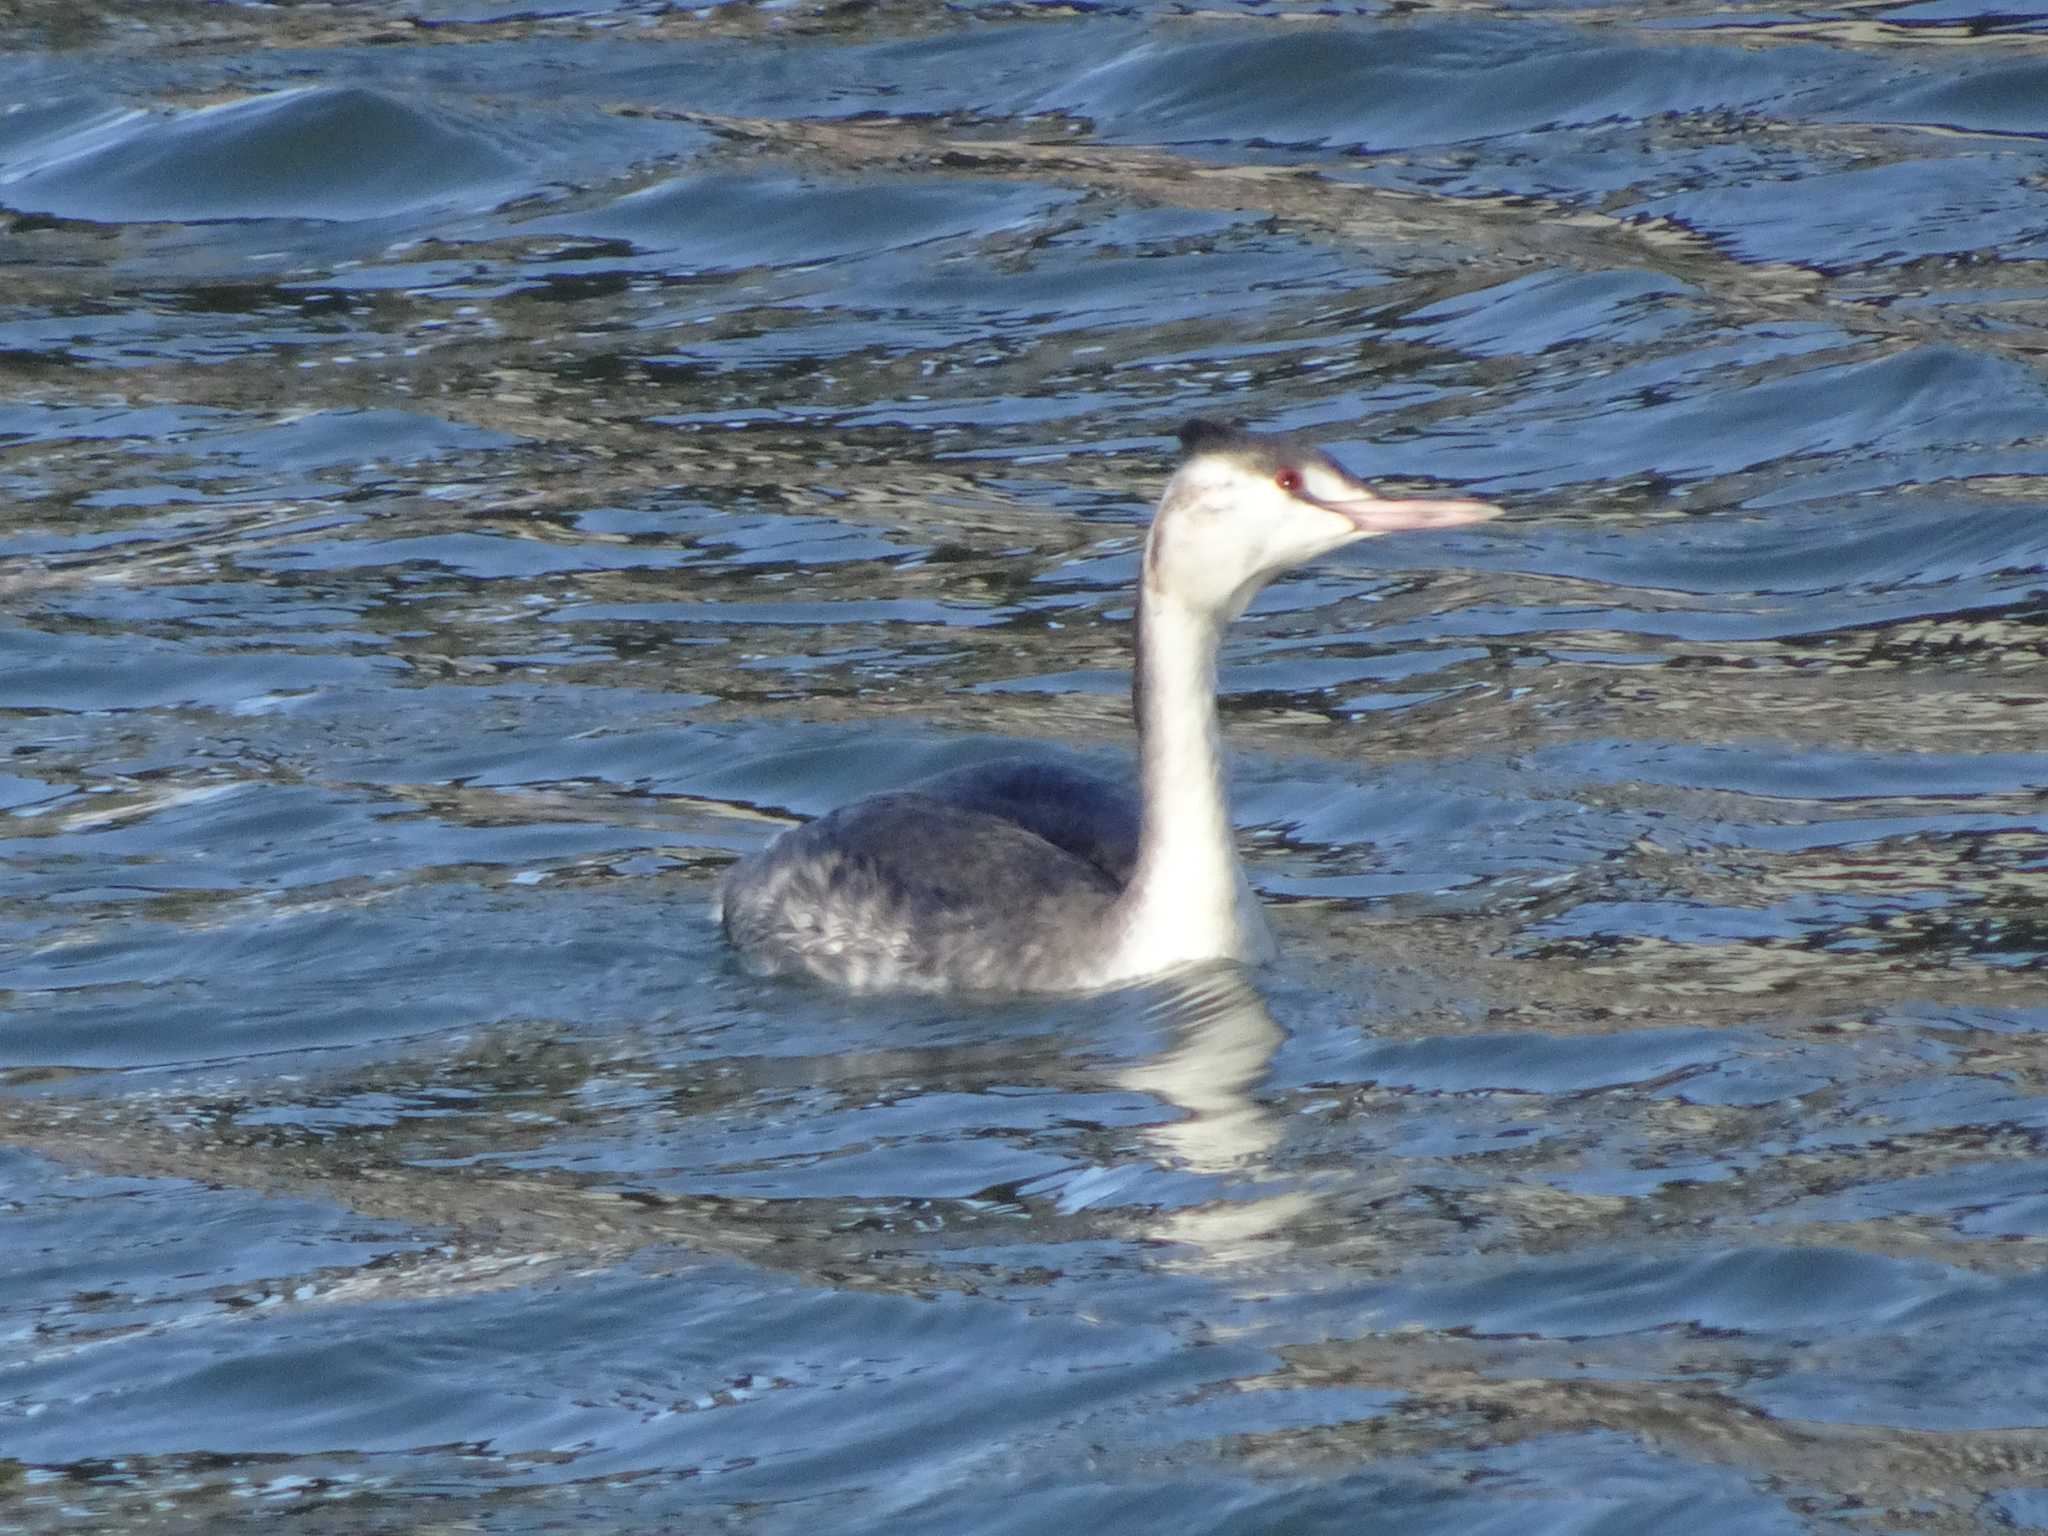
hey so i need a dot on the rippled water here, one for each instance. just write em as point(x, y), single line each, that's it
point(467, 473)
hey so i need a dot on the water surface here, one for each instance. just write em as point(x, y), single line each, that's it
point(466, 474)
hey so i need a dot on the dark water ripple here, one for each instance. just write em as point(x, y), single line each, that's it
point(468, 472)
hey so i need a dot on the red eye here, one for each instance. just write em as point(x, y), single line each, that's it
point(1289, 480)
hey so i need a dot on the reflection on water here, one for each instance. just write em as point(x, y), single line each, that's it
point(1220, 1046)
point(466, 475)
point(1223, 1040)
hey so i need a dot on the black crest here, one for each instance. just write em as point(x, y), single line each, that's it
point(1264, 452)
point(1201, 435)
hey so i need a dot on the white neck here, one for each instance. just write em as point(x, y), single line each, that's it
point(1188, 899)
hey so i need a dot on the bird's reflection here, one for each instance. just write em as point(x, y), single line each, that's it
point(1221, 1040)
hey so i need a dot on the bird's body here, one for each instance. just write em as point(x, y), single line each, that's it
point(1032, 876)
point(902, 891)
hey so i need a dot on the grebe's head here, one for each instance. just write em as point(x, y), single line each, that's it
point(1245, 506)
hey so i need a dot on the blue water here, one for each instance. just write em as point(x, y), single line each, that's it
point(468, 473)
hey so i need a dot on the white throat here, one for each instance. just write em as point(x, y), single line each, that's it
point(1188, 899)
